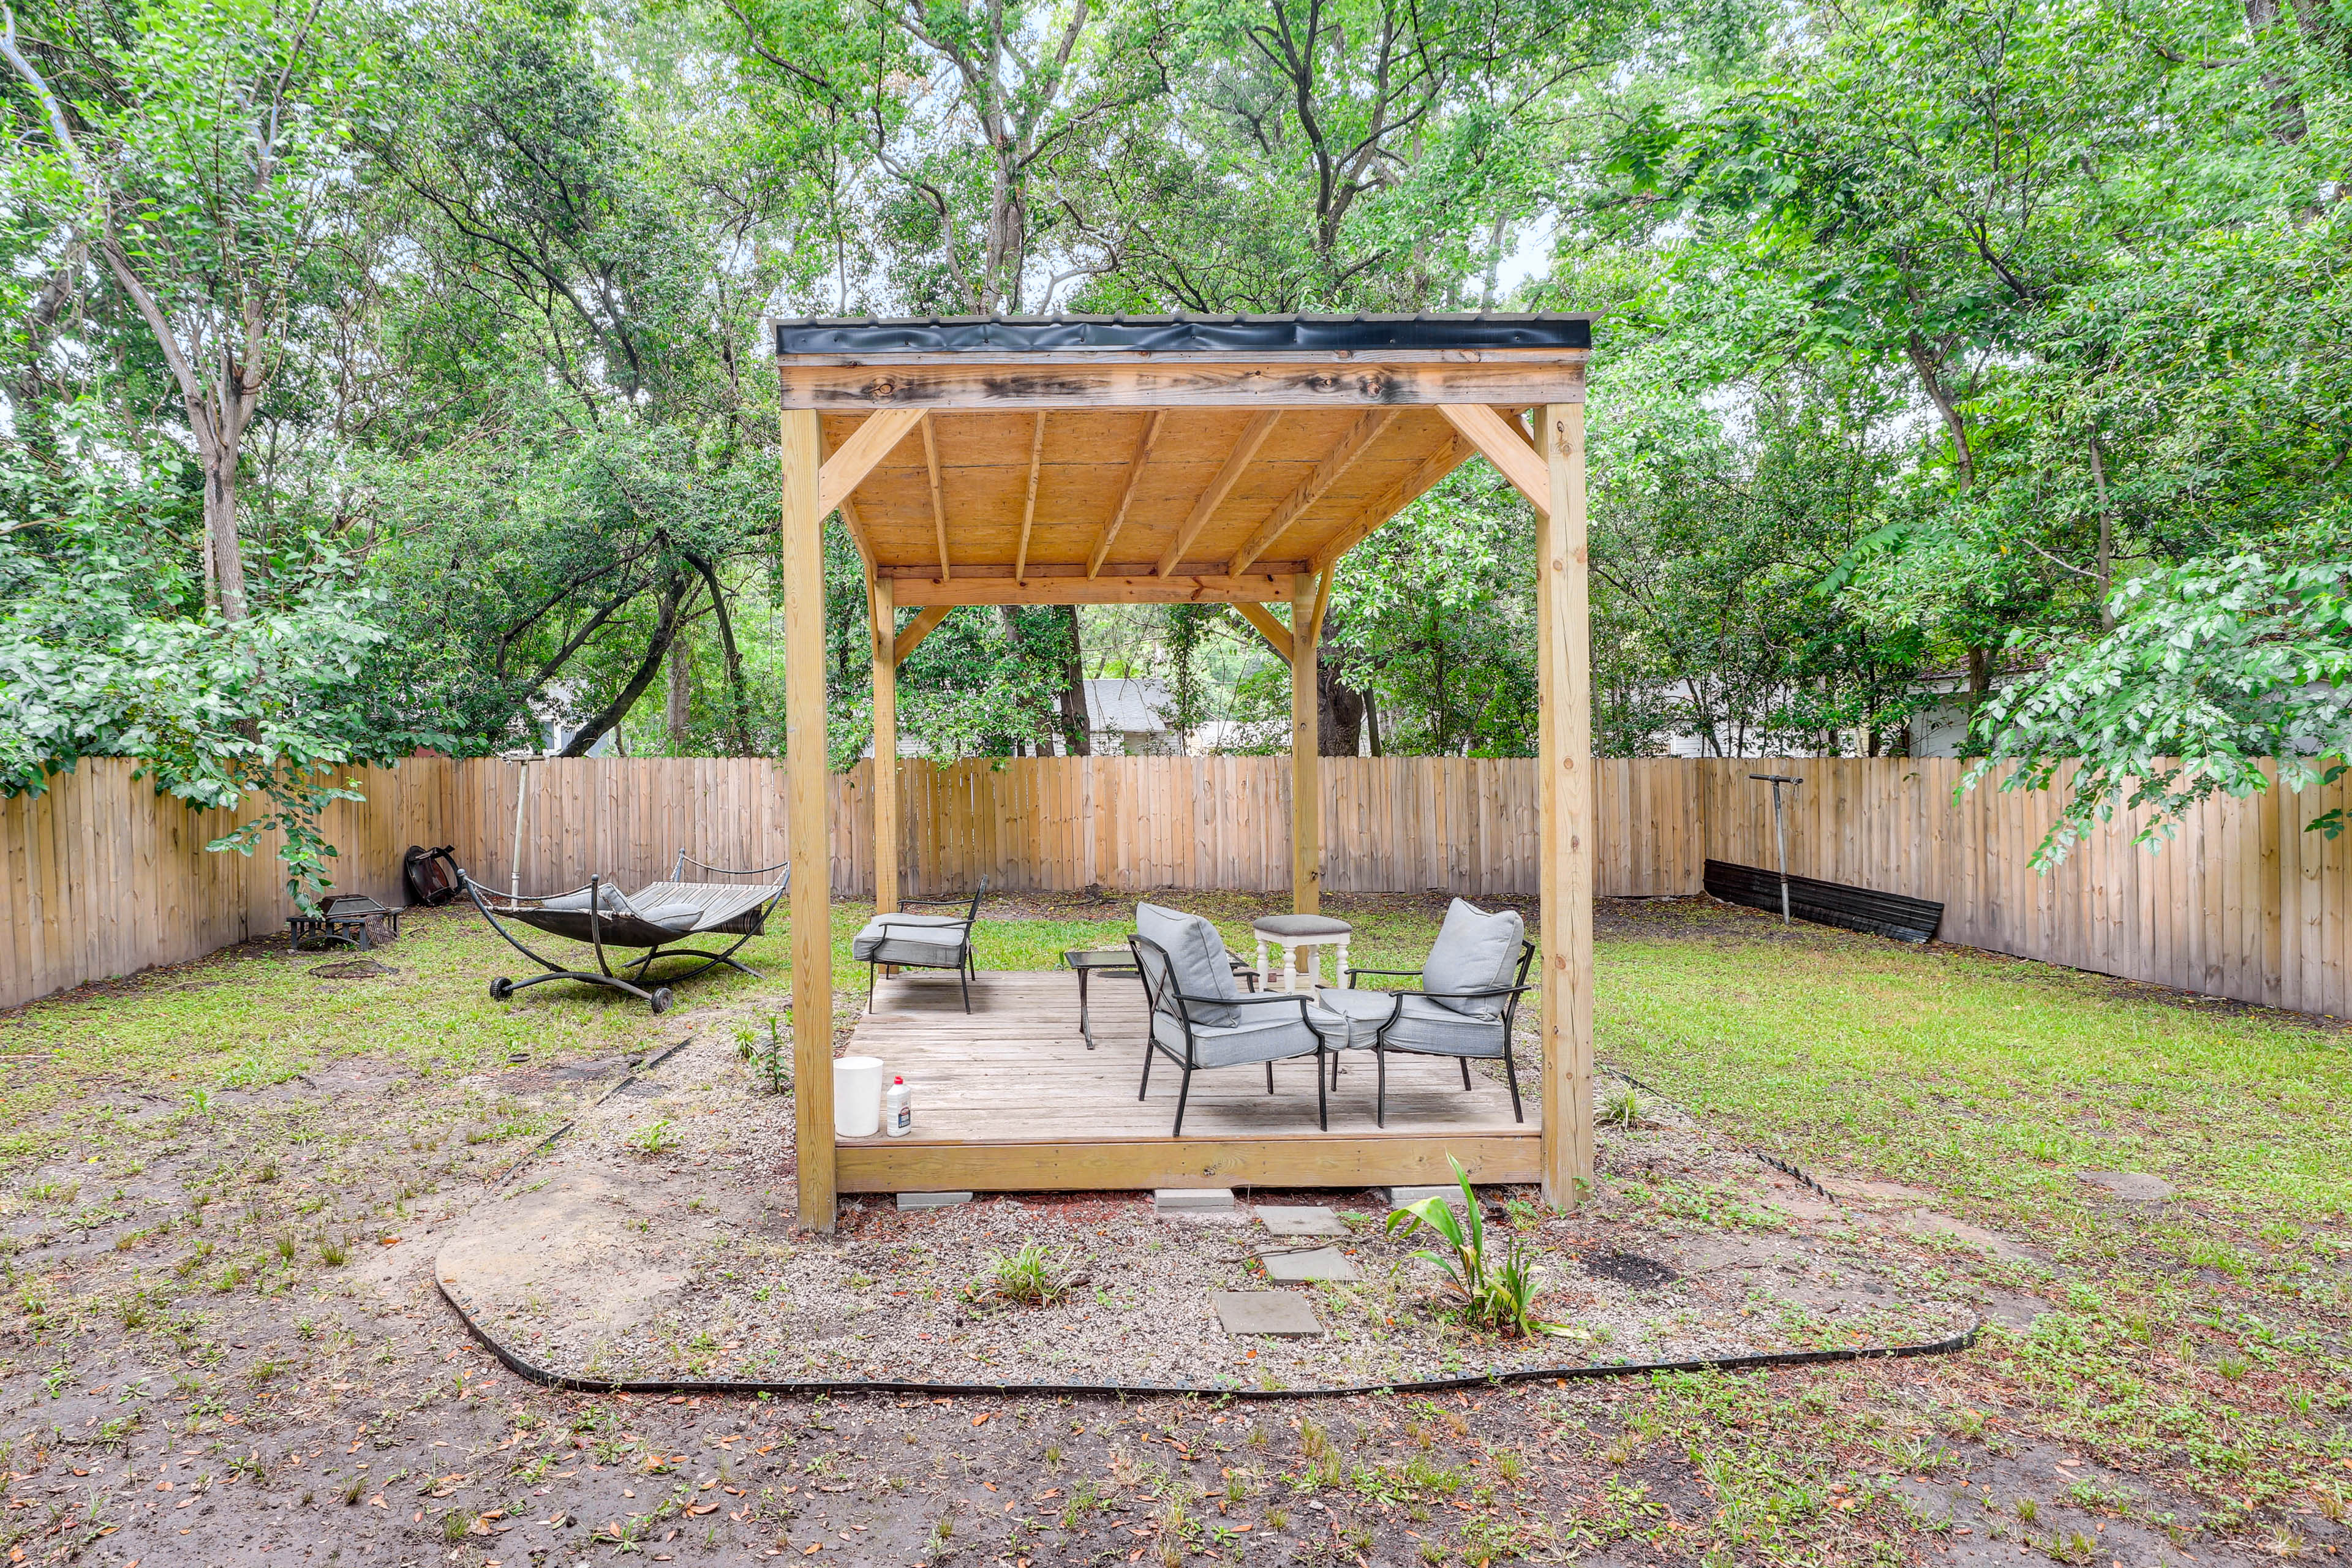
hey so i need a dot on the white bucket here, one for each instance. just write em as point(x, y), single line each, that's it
point(856, 1097)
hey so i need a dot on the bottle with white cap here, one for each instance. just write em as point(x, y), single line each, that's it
point(898, 1109)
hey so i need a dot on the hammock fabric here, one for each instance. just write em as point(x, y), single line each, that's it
point(652, 918)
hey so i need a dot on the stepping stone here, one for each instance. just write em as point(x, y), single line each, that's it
point(1298, 1267)
point(931, 1200)
point(1451, 1193)
point(1282, 1314)
point(1192, 1199)
point(1314, 1221)
point(2137, 1187)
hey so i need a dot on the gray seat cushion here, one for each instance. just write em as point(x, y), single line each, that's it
point(1278, 1033)
point(934, 942)
point(1365, 1010)
point(1196, 961)
point(679, 918)
point(1301, 926)
point(1426, 1024)
point(1474, 950)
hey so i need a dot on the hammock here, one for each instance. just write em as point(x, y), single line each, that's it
point(652, 918)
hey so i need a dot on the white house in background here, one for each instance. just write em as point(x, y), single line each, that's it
point(1128, 716)
point(547, 710)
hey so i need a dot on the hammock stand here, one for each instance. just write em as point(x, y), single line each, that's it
point(602, 916)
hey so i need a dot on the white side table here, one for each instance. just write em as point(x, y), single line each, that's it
point(1313, 933)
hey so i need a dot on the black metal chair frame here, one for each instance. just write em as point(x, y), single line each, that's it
point(1182, 1013)
point(631, 976)
point(1381, 1048)
point(967, 966)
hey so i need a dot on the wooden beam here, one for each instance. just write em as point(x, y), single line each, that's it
point(810, 835)
point(964, 382)
point(1322, 603)
point(926, 621)
point(1339, 1158)
point(883, 622)
point(1392, 500)
point(867, 445)
point(1278, 636)
point(939, 506)
point(1237, 462)
point(848, 508)
point(1306, 766)
point(1152, 428)
point(1029, 506)
point(1185, 588)
point(1352, 446)
point(1565, 795)
point(1501, 443)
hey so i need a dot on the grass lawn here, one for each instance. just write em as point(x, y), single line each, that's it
point(199, 1169)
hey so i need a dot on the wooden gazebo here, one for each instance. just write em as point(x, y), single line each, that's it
point(1206, 459)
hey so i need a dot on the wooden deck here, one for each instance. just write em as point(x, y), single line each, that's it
point(1010, 1099)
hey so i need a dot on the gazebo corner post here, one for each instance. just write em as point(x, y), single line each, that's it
point(881, 601)
point(1564, 744)
point(1306, 772)
point(811, 835)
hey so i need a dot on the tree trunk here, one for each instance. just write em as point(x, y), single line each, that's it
point(678, 709)
point(217, 454)
point(1074, 736)
point(2106, 538)
point(1339, 722)
point(673, 607)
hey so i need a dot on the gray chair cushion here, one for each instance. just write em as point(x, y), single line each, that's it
point(1196, 960)
point(1474, 950)
point(934, 942)
point(1365, 1010)
point(1426, 1024)
point(679, 918)
point(1277, 1035)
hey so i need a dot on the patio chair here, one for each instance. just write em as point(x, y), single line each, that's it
point(1467, 1001)
point(1199, 1018)
point(921, 942)
point(656, 915)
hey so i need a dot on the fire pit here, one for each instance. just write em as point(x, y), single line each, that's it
point(341, 918)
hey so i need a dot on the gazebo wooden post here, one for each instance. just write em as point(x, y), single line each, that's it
point(811, 835)
point(1564, 748)
point(882, 602)
point(1305, 774)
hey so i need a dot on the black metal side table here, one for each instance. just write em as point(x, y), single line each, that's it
point(1090, 960)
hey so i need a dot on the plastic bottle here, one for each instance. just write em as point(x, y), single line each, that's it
point(898, 1109)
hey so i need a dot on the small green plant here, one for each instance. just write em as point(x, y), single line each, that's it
point(1498, 1293)
point(334, 1251)
point(454, 1525)
point(780, 1078)
point(352, 1488)
point(658, 1139)
point(1621, 1109)
point(1030, 1275)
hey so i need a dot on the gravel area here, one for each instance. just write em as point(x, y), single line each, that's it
point(655, 1241)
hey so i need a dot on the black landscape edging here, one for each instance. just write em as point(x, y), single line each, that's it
point(815, 1385)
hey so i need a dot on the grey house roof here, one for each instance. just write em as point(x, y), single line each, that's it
point(1128, 706)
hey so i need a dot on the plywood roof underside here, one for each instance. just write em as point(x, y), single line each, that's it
point(1027, 498)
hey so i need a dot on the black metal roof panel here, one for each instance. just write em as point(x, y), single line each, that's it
point(1244, 334)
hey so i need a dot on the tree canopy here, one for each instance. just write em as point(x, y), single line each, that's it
point(384, 375)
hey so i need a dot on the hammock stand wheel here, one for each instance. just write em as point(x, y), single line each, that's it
point(599, 915)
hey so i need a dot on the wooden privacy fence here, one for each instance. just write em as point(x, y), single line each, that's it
point(100, 877)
